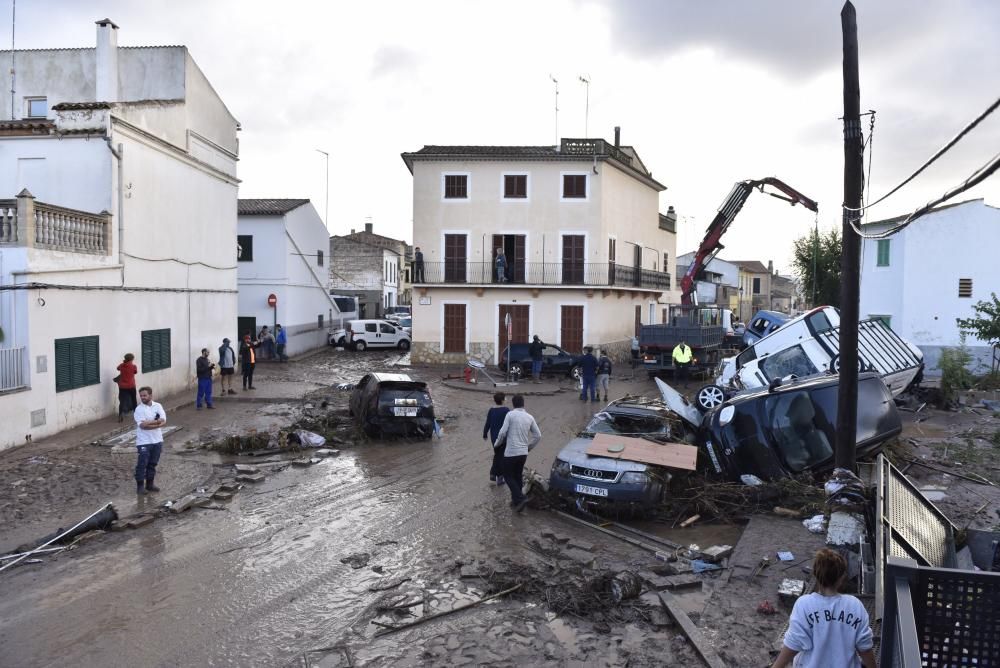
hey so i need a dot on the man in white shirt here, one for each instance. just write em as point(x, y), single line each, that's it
point(149, 420)
point(520, 432)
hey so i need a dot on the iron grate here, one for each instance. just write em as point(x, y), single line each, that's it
point(916, 524)
point(958, 621)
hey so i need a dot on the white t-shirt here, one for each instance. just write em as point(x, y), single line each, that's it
point(828, 631)
point(143, 413)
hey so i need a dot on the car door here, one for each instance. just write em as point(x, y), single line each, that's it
point(388, 335)
point(556, 361)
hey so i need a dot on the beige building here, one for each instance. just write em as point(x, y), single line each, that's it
point(588, 257)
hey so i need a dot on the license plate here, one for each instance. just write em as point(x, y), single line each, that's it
point(404, 412)
point(593, 491)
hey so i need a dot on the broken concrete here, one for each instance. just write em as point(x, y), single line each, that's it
point(250, 477)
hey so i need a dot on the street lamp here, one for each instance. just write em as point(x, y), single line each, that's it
point(585, 80)
point(326, 198)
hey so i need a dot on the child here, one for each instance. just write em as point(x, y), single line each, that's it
point(494, 420)
point(828, 628)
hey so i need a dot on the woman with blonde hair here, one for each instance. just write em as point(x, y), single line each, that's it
point(827, 628)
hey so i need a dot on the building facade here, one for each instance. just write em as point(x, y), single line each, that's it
point(402, 288)
point(921, 280)
point(720, 284)
point(755, 288)
point(579, 228)
point(283, 245)
point(370, 272)
point(118, 198)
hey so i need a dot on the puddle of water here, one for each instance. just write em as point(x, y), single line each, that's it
point(564, 633)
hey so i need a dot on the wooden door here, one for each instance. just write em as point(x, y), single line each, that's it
point(513, 247)
point(638, 319)
point(454, 328)
point(455, 258)
point(572, 259)
point(519, 314)
point(571, 329)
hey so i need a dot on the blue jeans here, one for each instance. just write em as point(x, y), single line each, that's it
point(536, 369)
point(204, 391)
point(589, 382)
point(149, 457)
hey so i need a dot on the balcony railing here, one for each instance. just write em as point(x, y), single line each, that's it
point(589, 274)
point(27, 222)
point(12, 375)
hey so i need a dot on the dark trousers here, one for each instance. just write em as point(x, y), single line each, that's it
point(497, 467)
point(513, 471)
point(589, 382)
point(204, 392)
point(247, 375)
point(418, 273)
point(126, 400)
point(681, 371)
point(149, 457)
point(281, 352)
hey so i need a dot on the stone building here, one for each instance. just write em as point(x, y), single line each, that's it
point(367, 271)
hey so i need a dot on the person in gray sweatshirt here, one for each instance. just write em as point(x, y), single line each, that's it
point(519, 435)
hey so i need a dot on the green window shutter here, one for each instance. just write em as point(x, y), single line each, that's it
point(883, 253)
point(78, 362)
point(155, 350)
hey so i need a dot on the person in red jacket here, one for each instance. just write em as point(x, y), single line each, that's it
point(126, 386)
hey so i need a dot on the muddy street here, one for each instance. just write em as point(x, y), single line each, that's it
point(289, 565)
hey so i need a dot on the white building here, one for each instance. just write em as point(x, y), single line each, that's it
point(589, 257)
point(924, 278)
point(282, 252)
point(123, 236)
point(722, 279)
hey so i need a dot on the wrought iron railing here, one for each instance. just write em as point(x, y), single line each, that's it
point(593, 274)
point(12, 372)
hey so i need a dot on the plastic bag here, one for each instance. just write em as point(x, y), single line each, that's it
point(310, 440)
point(815, 524)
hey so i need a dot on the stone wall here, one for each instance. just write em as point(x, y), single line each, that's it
point(429, 352)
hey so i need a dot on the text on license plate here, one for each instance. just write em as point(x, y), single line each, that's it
point(404, 412)
point(593, 491)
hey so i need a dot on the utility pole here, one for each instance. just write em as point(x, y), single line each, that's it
point(850, 293)
point(326, 198)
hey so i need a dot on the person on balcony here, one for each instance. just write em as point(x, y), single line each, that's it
point(418, 265)
point(501, 263)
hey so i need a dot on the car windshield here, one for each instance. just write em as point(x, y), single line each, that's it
point(405, 322)
point(625, 425)
point(798, 429)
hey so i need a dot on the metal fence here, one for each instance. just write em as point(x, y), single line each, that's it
point(590, 274)
point(12, 372)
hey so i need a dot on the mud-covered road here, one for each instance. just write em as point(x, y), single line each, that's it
point(269, 578)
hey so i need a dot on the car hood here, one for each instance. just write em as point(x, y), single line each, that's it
point(575, 452)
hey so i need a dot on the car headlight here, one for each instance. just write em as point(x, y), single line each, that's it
point(634, 478)
point(560, 468)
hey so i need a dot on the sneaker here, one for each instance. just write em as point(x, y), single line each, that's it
point(150, 487)
point(519, 506)
point(493, 478)
point(211, 408)
point(197, 408)
point(232, 391)
point(252, 387)
point(500, 481)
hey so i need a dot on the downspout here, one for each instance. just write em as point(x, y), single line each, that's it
point(119, 154)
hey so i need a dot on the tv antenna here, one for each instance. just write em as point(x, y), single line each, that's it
point(585, 80)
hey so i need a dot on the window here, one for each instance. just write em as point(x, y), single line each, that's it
point(386, 328)
point(789, 362)
point(456, 186)
point(666, 257)
point(155, 350)
point(371, 327)
point(756, 286)
point(319, 258)
point(244, 248)
point(78, 362)
point(792, 422)
point(319, 321)
point(38, 107)
point(882, 259)
point(454, 328)
point(574, 186)
point(612, 250)
point(515, 186)
point(965, 287)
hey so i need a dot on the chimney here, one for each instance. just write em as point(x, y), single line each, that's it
point(368, 228)
point(770, 266)
point(352, 230)
point(106, 60)
point(618, 136)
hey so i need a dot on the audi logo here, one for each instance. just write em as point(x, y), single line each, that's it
point(592, 473)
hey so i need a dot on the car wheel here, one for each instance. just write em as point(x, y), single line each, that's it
point(835, 365)
point(516, 371)
point(404, 345)
point(360, 346)
point(575, 373)
point(709, 397)
point(342, 342)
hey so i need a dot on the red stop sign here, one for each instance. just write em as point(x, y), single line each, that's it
point(272, 299)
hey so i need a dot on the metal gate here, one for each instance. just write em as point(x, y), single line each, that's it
point(878, 347)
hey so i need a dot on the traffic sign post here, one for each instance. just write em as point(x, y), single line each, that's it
point(508, 321)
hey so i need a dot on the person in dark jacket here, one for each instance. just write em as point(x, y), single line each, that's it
point(588, 373)
point(418, 265)
point(203, 369)
point(494, 420)
point(603, 374)
point(248, 358)
point(227, 367)
point(535, 349)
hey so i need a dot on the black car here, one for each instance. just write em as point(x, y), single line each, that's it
point(791, 428)
point(555, 361)
point(391, 403)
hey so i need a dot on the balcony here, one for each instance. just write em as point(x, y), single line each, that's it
point(560, 274)
point(29, 223)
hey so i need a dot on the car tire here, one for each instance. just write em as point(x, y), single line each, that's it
point(516, 371)
point(575, 372)
point(404, 345)
point(342, 342)
point(360, 346)
point(709, 397)
point(835, 365)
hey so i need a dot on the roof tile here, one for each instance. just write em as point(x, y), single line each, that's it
point(268, 207)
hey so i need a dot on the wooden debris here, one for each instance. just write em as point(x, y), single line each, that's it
point(689, 521)
point(465, 606)
point(690, 630)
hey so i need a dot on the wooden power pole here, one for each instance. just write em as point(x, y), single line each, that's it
point(850, 288)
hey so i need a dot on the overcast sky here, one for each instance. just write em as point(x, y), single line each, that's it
point(709, 92)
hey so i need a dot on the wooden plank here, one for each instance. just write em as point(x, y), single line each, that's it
point(673, 455)
point(707, 654)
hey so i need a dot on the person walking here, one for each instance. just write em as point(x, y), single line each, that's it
point(494, 421)
point(501, 263)
point(603, 374)
point(248, 358)
point(535, 349)
point(634, 347)
point(518, 435)
point(682, 361)
point(588, 374)
point(126, 386)
point(203, 369)
point(149, 420)
point(227, 367)
point(828, 628)
point(418, 265)
point(281, 340)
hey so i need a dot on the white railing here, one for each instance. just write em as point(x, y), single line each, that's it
point(12, 375)
point(27, 222)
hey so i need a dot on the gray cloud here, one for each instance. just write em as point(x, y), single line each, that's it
point(393, 60)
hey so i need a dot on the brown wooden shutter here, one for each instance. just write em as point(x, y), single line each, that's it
point(571, 329)
point(454, 328)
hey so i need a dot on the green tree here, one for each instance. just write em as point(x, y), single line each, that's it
point(985, 325)
point(816, 262)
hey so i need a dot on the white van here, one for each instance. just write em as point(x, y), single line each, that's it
point(364, 334)
point(810, 345)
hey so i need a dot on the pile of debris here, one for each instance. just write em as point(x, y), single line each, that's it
point(736, 501)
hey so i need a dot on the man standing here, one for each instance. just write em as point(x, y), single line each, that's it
point(603, 374)
point(501, 263)
point(535, 349)
point(635, 351)
point(203, 369)
point(281, 340)
point(588, 373)
point(494, 421)
point(682, 361)
point(248, 358)
point(418, 265)
point(521, 434)
point(149, 418)
point(227, 367)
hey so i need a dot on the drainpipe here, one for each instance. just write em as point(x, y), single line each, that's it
point(119, 155)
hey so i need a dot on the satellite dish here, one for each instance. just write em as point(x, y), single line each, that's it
point(616, 448)
point(476, 364)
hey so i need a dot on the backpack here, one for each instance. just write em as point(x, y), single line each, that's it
point(604, 366)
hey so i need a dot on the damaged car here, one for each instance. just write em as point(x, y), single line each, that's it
point(393, 404)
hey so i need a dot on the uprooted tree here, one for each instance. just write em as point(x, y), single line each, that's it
point(816, 262)
point(985, 325)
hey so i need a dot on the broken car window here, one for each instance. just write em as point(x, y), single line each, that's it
point(612, 423)
point(791, 361)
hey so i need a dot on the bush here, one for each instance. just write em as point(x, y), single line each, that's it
point(955, 377)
